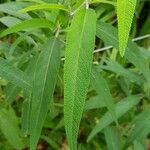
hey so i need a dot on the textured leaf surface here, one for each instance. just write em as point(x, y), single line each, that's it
point(80, 45)
point(125, 13)
point(28, 24)
point(121, 108)
point(14, 75)
point(44, 7)
point(9, 127)
point(43, 87)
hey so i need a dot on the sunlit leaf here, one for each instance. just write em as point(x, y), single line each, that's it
point(28, 24)
point(80, 45)
point(125, 13)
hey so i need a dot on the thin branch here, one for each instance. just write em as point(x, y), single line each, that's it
point(109, 47)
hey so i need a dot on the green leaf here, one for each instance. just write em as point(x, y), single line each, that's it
point(9, 21)
point(14, 75)
point(26, 106)
point(79, 49)
point(28, 24)
point(9, 127)
point(102, 88)
point(109, 35)
point(140, 128)
point(125, 13)
point(46, 70)
point(12, 8)
point(44, 7)
point(112, 137)
point(120, 108)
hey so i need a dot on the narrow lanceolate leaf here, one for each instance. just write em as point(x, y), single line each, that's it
point(14, 75)
point(80, 45)
point(44, 7)
point(28, 24)
point(125, 13)
point(45, 76)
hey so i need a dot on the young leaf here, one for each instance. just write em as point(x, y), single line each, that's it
point(44, 7)
point(14, 75)
point(125, 13)
point(28, 24)
point(80, 45)
point(9, 127)
point(45, 76)
point(121, 108)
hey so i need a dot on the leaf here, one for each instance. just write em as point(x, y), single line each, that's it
point(109, 35)
point(120, 108)
point(14, 75)
point(44, 7)
point(9, 21)
point(28, 24)
point(46, 70)
point(26, 106)
point(112, 137)
point(10, 128)
point(12, 8)
point(101, 86)
point(140, 128)
point(77, 70)
point(125, 13)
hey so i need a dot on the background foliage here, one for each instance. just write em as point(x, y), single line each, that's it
point(36, 89)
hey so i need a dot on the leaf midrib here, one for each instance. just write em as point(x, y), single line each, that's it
point(45, 77)
point(77, 68)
